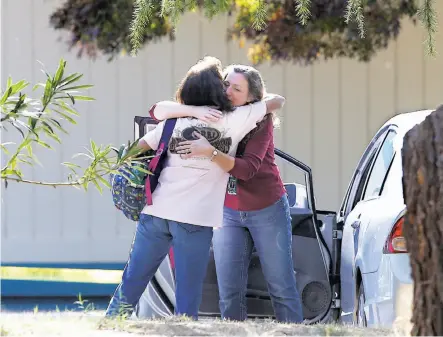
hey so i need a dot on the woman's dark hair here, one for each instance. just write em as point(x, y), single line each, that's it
point(203, 85)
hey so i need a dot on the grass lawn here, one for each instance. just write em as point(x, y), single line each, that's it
point(92, 324)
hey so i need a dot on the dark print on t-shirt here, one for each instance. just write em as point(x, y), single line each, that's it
point(214, 136)
point(232, 186)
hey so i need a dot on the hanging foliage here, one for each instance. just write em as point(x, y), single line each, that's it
point(301, 31)
point(103, 26)
point(326, 34)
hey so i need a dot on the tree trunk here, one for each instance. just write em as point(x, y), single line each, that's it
point(423, 228)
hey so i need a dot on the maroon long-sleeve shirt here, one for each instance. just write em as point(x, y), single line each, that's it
point(255, 181)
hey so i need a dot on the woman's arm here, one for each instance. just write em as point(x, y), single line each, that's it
point(274, 102)
point(247, 166)
point(152, 138)
point(243, 168)
point(168, 109)
point(143, 145)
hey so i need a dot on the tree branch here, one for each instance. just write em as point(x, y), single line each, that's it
point(303, 8)
point(428, 17)
point(43, 183)
point(141, 18)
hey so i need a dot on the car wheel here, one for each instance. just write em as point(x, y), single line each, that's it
point(360, 316)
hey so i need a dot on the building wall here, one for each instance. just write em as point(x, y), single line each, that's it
point(333, 108)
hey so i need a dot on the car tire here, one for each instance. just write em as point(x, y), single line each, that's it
point(360, 315)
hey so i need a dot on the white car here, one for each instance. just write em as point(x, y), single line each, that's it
point(375, 275)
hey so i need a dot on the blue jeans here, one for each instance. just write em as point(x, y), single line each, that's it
point(269, 229)
point(153, 238)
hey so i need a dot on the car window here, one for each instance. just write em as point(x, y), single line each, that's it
point(355, 190)
point(345, 202)
point(363, 179)
point(380, 167)
point(393, 184)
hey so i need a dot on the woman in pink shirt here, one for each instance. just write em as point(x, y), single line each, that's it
point(186, 185)
point(256, 211)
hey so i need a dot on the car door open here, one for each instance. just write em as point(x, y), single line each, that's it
point(314, 236)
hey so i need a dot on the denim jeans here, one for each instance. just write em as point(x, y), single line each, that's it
point(269, 229)
point(153, 238)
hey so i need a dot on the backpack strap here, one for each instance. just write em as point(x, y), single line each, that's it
point(159, 155)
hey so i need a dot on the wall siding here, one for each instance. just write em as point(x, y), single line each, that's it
point(333, 109)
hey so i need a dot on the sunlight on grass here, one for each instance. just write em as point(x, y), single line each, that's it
point(3, 331)
point(93, 324)
point(61, 274)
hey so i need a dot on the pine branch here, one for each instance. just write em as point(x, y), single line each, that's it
point(354, 9)
point(260, 14)
point(428, 17)
point(303, 11)
point(214, 7)
point(142, 15)
point(173, 9)
point(166, 6)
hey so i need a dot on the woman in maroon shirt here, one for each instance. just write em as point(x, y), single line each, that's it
point(256, 211)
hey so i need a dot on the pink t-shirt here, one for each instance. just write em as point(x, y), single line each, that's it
point(193, 190)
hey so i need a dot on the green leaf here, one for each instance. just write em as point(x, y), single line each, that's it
point(104, 181)
point(27, 162)
point(47, 127)
point(30, 151)
point(12, 172)
point(59, 73)
point(141, 169)
point(3, 147)
point(127, 177)
point(70, 79)
point(47, 93)
point(93, 147)
point(144, 157)
point(38, 85)
point(85, 86)
point(32, 122)
point(83, 155)
point(19, 86)
point(30, 114)
point(55, 137)
point(18, 128)
point(83, 98)
point(97, 185)
point(19, 103)
point(71, 165)
point(57, 125)
point(120, 152)
point(72, 98)
point(5, 96)
point(66, 107)
point(65, 116)
point(42, 143)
